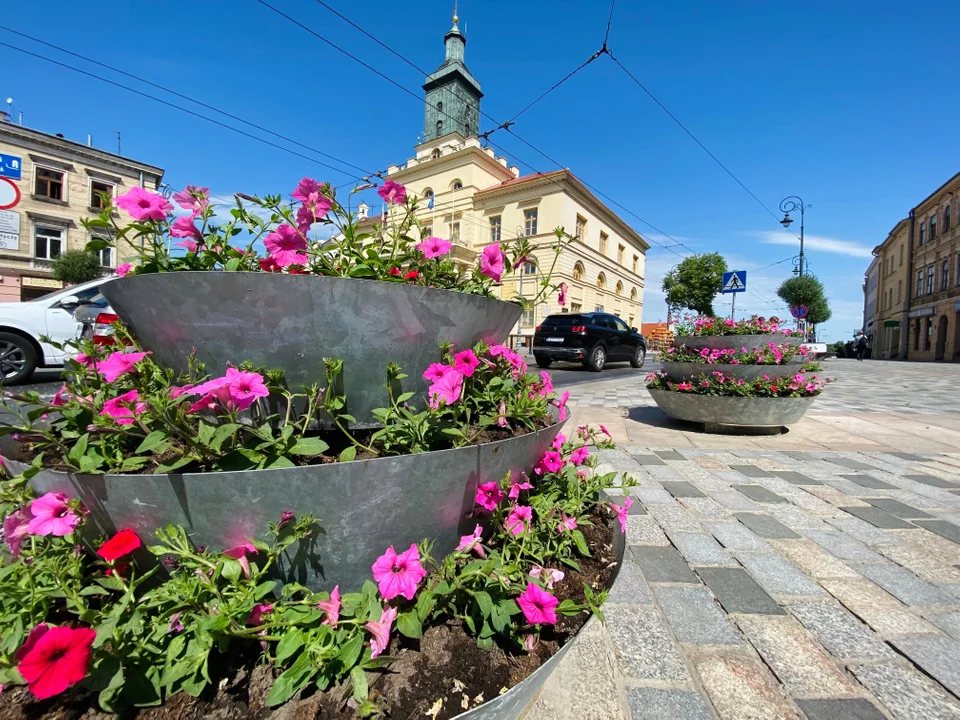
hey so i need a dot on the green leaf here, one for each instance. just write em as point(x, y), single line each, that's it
point(205, 433)
point(277, 461)
point(426, 601)
point(223, 432)
point(133, 463)
point(359, 679)
point(232, 569)
point(176, 465)
point(350, 653)
point(79, 449)
point(484, 602)
point(404, 397)
point(232, 264)
point(293, 679)
point(142, 687)
point(292, 642)
point(152, 441)
point(581, 543)
point(107, 674)
point(310, 446)
point(454, 432)
point(349, 454)
point(409, 624)
point(90, 463)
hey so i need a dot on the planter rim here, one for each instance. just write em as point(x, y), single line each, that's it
point(733, 411)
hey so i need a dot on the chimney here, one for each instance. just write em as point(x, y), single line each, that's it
point(362, 210)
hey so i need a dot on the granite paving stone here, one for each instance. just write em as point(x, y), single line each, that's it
point(736, 536)
point(907, 694)
point(648, 460)
point(766, 526)
point(700, 549)
point(675, 518)
point(750, 471)
point(842, 709)
point(840, 632)
point(843, 546)
point(949, 622)
point(792, 476)
point(938, 657)
point(644, 530)
point(932, 481)
point(910, 457)
point(798, 661)
point(849, 463)
point(682, 489)
point(814, 560)
point(694, 617)
point(742, 688)
point(652, 495)
point(876, 607)
point(924, 561)
point(647, 703)
point(760, 494)
point(642, 643)
point(662, 564)
point(738, 592)
point(669, 455)
point(879, 518)
point(630, 586)
point(942, 528)
point(906, 586)
point(833, 496)
point(863, 531)
point(706, 508)
point(732, 500)
point(869, 482)
point(777, 575)
point(897, 508)
point(796, 518)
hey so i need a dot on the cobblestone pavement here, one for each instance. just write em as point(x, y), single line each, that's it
point(764, 584)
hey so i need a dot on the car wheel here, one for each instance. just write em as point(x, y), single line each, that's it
point(18, 359)
point(638, 357)
point(597, 359)
point(543, 361)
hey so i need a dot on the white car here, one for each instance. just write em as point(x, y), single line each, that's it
point(23, 323)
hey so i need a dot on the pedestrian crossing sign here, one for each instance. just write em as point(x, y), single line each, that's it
point(734, 281)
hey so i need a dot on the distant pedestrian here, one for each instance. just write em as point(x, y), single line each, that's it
point(861, 347)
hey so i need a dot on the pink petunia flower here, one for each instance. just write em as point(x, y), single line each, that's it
point(193, 198)
point(558, 442)
point(516, 487)
point(446, 390)
point(550, 462)
point(561, 404)
point(313, 209)
point(436, 371)
point(286, 246)
point(124, 408)
point(491, 262)
point(539, 606)
point(239, 553)
point(58, 398)
point(331, 607)
point(305, 188)
point(562, 298)
point(15, 526)
point(546, 382)
point(567, 523)
point(380, 631)
point(502, 415)
point(603, 429)
point(246, 388)
point(188, 245)
point(142, 204)
point(124, 269)
point(119, 363)
point(178, 390)
point(519, 519)
point(392, 192)
point(52, 516)
point(466, 362)
point(489, 496)
point(578, 456)
point(183, 227)
point(434, 247)
point(256, 615)
point(472, 542)
point(547, 575)
point(622, 512)
point(399, 574)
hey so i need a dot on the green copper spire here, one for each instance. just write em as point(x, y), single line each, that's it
point(452, 93)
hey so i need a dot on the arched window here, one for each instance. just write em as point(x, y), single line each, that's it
point(946, 219)
point(439, 127)
point(428, 197)
point(633, 295)
point(435, 154)
point(601, 281)
point(439, 107)
point(466, 129)
point(578, 271)
point(456, 185)
point(619, 288)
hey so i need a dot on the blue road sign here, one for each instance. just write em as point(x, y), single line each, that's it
point(10, 166)
point(799, 312)
point(734, 281)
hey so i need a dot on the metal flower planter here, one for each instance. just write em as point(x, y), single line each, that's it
point(735, 342)
point(736, 411)
point(677, 371)
point(362, 507)
point(292, 322)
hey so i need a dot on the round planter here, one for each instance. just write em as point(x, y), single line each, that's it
point(737, 411)
point(736, 342)
point(292, 322)
point(677, 371)
point(361, 507)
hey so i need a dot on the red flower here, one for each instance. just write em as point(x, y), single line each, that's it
point(118, 569)
point(296, 271)
point(269, 264)
point(412, 275)
point(395, 271)
point(53, 659)
point(123, 543)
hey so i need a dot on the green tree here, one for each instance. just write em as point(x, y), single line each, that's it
point(77, 266)
point(695, 282)
point(808, 291)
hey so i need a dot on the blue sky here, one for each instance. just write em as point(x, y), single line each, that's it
point(851, 105)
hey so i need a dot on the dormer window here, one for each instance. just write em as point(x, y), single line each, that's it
point(435, 154)
point(457, 185)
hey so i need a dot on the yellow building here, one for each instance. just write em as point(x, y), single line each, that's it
point(890, 321)
point(47, 185)
point(473, 198)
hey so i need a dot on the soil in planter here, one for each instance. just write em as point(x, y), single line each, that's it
point(445, 665)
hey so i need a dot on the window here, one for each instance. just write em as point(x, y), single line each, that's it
point(48, 183)
point(620, 250)
point(931, 272)
point(529, 268)
point(946, 218)
point(901, 256)
point(928, 324)
point(916, 334)
point(621, 325)
point(495, 225)
point(529, 317)
point(603, 243)
point(923, 236)
point(633, 296)
point(530, 222)
point(455, 232)
point(457, 185)
point(933, 227)
point(106, 257)
point(47, 242)
point(435, 153)
point(575, 307)
point(619, 288)
point(581, 229)
point(899, 291)
point(601, 281)
point(439, 107)
point(439, 127)
point(945, 274)
point(97, 191)
point(631, 321)
point(428, 196)
point(427, 231)
point(635, 261)
point(598, 308)
point(578, 270)
point(919, 282)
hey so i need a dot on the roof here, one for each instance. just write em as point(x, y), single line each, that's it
point(522, 179)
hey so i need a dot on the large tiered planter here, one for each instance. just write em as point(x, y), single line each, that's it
point(679, 371)
point(292, 322)
point(361, 506)
point(713, 410)
point(734, 342)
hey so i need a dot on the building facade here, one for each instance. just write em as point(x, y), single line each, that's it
point(870, 282)
point(889, 341)
point(48, 184)
point(473, 198)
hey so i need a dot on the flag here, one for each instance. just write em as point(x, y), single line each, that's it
point(430, 202)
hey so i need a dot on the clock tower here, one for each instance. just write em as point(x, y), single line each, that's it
point(452, 93)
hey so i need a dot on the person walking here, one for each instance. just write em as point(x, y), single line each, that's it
point(861, 346)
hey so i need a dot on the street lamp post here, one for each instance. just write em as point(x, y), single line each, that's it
point(790, 204)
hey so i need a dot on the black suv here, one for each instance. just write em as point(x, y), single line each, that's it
point(591, 338)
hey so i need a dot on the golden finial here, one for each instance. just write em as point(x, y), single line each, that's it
point(455, 18)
